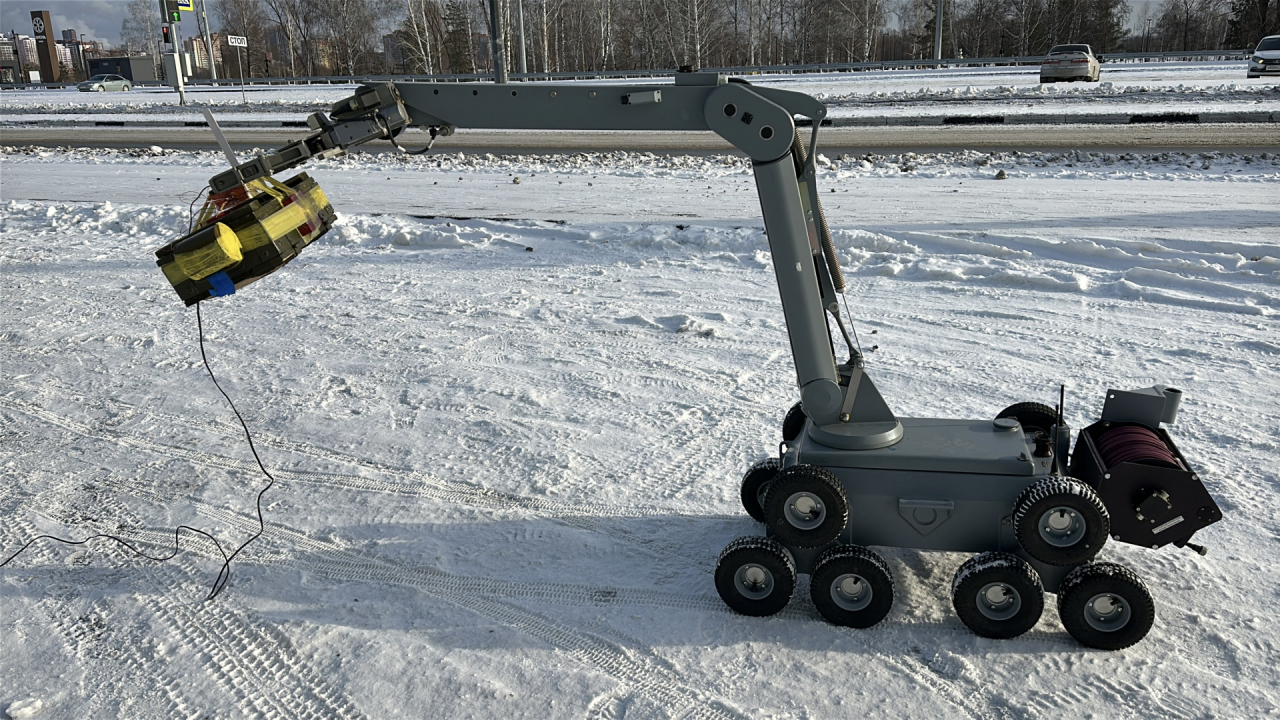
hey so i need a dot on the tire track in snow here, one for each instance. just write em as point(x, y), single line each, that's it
point(479, 595)
point(637, 668)
point(417, 483)
point(341, 564)
point(82, 636)
point(251, 660)
point(342, 561)
point(588, 517)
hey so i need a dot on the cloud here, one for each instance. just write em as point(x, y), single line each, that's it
point(97, 19)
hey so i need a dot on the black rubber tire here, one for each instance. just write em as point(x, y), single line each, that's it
point(981, 571)
point(1034, 416)
point(753, 486)
point(1087, 582)
point(1081, 501)
point(818, 483)
point(857, 611)
point(763, 553)
point(793, 423)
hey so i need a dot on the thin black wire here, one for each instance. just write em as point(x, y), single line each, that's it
point(386, 127)
point(191, 209)
point(125, 543)
point(224, 575)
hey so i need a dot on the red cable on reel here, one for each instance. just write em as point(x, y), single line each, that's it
point(1135, 444)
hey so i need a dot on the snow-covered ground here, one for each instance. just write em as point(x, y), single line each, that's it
point(1125, 87)
point(504, 475)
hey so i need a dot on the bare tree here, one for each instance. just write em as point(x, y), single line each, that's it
point(286, 16)
point(1192, 24)
point(247, 19)
point(459, 37)
point(421, 35)
point(351, 28)
point(140, 32)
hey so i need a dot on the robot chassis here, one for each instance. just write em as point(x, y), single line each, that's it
point(850, 474)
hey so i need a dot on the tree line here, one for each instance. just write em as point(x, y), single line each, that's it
point(350, 37)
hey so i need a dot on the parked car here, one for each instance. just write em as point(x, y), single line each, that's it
point(1070, 62)
point(103, 83)
point(1266, 57)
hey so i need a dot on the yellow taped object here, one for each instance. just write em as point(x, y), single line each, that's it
point(223, 252)
point(271, 222)
point(273, 227)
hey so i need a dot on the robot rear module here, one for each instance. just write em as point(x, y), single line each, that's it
point(849, 474)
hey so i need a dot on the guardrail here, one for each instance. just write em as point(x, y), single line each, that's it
point(1192, 55)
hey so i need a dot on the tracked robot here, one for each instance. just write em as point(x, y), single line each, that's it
point(849, 474)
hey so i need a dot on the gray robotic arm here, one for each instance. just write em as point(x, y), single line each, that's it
point(847, 410)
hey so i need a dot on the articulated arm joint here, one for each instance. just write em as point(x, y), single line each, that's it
point(374, 113)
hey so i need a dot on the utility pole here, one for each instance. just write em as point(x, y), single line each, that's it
point(208, 39)
point(520, 15)
point(937, 33)
point(499, 57)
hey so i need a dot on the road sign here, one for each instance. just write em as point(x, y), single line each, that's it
point(187, 5)
point(237, 42)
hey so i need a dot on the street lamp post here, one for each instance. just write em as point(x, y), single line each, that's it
point(499, 57)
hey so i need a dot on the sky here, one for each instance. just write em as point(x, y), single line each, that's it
point(97, 19)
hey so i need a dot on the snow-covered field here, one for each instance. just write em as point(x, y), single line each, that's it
point(1125, 87)
point(504, 474)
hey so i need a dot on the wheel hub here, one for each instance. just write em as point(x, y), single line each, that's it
point(754, 581)
point(1107, 612)
point(999, 601)
point(1062, 527)
point(805, 511)
point(851, 592)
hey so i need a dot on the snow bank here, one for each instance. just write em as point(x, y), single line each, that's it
point(1226, 277)
point(1070, 164)
point(1060, 92)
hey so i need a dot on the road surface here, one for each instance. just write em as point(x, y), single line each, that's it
point(1197, 137)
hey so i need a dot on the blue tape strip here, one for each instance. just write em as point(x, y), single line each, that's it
point(222, 285)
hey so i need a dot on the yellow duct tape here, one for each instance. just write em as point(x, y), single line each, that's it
point(273, 227)
point(220, 254)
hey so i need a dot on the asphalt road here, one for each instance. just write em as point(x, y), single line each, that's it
point(1255, 137)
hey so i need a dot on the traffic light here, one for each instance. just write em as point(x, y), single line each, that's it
point(166, 34)
point(169, 11)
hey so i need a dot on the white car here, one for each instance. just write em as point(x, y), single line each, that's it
point(103, 83)
point(1266, 57)
point(1070, 62)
